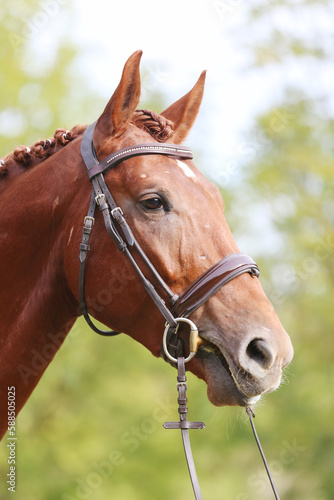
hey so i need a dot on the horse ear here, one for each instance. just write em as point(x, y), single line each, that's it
point(122, 104)
point(184, 111)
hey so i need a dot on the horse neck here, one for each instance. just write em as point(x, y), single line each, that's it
point(38, 308)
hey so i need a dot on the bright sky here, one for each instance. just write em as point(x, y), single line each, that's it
point(179, 39)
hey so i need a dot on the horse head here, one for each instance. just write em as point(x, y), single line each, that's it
point(177, 216)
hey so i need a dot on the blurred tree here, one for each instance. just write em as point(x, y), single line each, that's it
point(40, 89)
point(285, 196)
point(291, 181)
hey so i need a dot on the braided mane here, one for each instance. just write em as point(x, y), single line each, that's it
point(156, 125)
point(41, 150)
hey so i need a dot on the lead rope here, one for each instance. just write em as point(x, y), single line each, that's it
point(251, 416)
point(185, 425)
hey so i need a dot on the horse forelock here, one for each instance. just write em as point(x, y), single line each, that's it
point(160, 128)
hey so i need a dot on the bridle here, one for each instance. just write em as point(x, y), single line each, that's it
point(181, 307)
point(201, 290)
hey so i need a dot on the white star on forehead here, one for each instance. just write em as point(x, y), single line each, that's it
point(186, 170)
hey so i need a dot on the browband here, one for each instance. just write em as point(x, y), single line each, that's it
point(163, 148)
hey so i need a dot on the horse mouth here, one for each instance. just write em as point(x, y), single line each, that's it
point(221, 375)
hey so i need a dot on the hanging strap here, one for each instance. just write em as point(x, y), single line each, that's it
point(251, 416)
point(185, 425)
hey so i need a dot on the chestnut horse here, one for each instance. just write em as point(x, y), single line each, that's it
point(177, 216)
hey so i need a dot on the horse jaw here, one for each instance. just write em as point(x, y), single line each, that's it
point(221, 387)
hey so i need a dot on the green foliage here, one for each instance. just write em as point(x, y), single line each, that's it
point(38, 92)
point(286, 198)
point(293, 176)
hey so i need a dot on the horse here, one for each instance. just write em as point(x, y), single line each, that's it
point(176, 215)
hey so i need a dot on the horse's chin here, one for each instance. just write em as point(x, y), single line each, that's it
point(222, 389)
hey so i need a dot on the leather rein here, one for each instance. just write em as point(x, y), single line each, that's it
point(180, 307)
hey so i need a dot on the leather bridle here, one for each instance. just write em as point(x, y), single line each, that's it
point(200, 291)
point(180, 308)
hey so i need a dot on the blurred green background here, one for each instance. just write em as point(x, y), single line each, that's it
point(93, 427)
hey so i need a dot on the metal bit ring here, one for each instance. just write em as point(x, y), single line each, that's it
point(192, 340)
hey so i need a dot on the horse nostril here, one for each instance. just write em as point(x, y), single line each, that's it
point(260, 351)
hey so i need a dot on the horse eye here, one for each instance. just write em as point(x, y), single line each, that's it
point(152, 203)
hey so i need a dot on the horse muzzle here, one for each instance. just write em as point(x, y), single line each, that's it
point(238, 373)
point(239, 370)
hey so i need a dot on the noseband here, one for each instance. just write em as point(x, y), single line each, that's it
point(199, 292)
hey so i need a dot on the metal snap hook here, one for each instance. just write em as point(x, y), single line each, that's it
point(193, 339)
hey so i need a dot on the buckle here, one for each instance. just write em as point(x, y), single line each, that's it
point(116, 212)
point(87, 218)
point(100, 197)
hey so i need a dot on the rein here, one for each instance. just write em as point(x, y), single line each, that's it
point(179, 307)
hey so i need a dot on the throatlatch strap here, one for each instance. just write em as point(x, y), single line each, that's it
point(84, 247)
